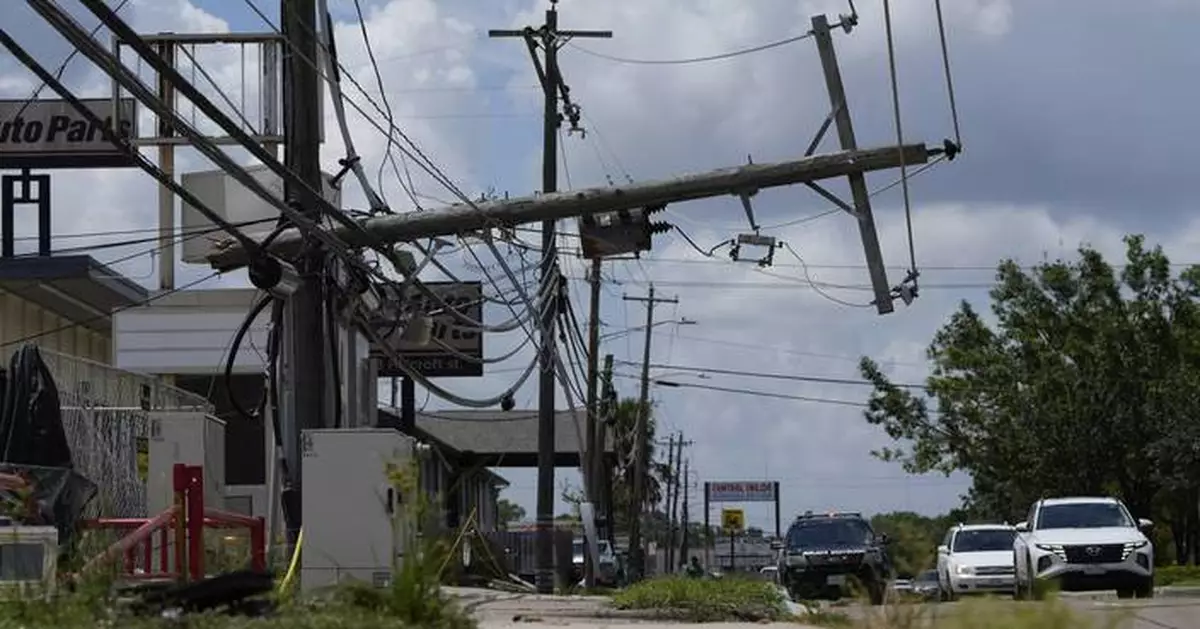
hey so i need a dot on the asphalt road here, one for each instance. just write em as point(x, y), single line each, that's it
point(1164, 612)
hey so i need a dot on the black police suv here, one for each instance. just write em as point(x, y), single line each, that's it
point(822, 554)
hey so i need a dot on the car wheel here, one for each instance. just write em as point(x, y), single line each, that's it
point(1146, 589)
point(1032, 591)
point(1124, 593)
point(876, 591)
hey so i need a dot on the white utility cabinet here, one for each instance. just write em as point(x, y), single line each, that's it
point(192, 439)
point(352, 514)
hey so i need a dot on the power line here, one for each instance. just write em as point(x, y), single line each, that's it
point(784, 350)
point(387, 105)
point(62, 67)
point(793, 284)
point(772, 376)
point(689, 60)
point(765, 394)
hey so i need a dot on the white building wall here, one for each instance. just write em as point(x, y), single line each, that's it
point(190, 332)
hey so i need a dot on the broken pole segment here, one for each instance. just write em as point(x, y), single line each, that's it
point(462, 218)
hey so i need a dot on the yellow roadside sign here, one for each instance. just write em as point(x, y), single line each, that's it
point(733, 520)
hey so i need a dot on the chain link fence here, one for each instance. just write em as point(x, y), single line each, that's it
point(105, 412)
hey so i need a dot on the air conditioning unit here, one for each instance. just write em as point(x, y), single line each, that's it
point(235, 203)
point(28, 560)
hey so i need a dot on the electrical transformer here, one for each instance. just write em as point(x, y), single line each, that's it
point(353, 514)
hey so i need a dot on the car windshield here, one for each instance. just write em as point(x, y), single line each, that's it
point(829, 532)
point(929, 576)
point(1082, 515)
point(981, 540)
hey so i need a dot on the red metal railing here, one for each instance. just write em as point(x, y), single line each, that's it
point(187, 519)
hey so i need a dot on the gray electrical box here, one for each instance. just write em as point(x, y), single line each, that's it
point(354, 518)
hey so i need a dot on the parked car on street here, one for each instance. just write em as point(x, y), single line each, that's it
point(975, 558)
point(1083, 544)
point(606, 574)
point(925, 585)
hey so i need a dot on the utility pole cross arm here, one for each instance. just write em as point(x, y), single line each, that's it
point(652, 298)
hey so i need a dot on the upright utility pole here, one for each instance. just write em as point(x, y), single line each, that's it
point(672, 463)
point(637, 559)
point(304, 363)
point(686, 534)
point(608, 404)
point(594, 450)
point(549, 39)
point(676, 479)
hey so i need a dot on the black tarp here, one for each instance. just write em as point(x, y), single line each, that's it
point(31, 428)
point(33, 443)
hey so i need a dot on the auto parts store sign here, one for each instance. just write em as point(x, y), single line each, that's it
point(741, 491)
point(53, 134)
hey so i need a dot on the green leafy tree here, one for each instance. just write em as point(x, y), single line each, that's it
point(914, 538)
point(509, 511)
point(1085, 383)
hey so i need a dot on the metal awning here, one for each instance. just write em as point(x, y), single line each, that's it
point(78, 288)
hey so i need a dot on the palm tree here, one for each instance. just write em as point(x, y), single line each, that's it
point(622, 426)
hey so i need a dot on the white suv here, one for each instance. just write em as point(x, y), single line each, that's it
point(1083, 544)
point(975, 558)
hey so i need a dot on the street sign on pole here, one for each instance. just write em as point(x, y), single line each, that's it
point(455, 349)
point(733, 521)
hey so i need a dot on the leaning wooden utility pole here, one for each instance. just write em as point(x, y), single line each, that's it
point(549, 39)
point(637, 558)
point(464, 218)
point(304, 335)
point(858, 181)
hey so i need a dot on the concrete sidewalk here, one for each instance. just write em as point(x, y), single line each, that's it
point(502, 610)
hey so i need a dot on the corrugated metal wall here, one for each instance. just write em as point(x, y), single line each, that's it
point(21, 319)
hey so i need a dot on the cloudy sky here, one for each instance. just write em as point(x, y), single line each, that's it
point(1076, 117)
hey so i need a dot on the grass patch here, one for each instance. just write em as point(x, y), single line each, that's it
point(1177, 575)
point(991, 613)
point(706, 600)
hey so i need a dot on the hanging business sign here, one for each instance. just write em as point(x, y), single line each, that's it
point(453, 348)
point(52, 134)
point(741, 491)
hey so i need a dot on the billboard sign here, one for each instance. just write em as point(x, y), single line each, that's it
point(742, 491)
point(433, 359)
point(52, 134)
